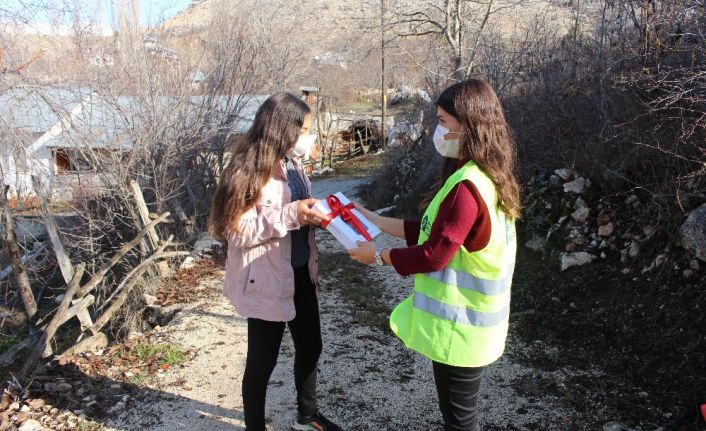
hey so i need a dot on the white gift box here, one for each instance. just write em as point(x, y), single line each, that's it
point(344, 232)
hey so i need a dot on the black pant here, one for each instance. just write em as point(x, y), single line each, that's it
point(264, 340)
point(457, 388)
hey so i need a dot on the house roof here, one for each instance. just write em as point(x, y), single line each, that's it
point(79, 118)
point(35, 109)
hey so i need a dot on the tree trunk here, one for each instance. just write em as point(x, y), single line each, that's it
point(15, 258)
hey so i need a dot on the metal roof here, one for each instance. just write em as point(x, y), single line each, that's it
point(101, 122)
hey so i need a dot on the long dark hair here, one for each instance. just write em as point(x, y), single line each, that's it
point(273, 134)
point(485, 138)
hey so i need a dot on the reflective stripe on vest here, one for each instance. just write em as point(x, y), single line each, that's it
point(467, 281)
point(460, 314)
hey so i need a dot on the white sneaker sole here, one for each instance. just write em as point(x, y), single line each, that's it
point(299, 427)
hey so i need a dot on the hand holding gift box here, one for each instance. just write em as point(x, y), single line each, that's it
point(347, 224)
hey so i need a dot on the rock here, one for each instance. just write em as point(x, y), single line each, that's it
point(570, 247)
point(322, 171)
point(36, 404)
point(626, 271)
point(30, 425)
point(188, 263)
point(604, 217)
point(643, 394)
point(91, 344)
point(694, 264)
point(689, 273)
point(659, 260)
point(632, 199)
point(59, 298)
point(21, 417)
point(606, 229)
point(117, 407)
point(149, 299)
point(634, 250)
point(581, 215)
point(536, 244)
point(555, 181)
point(25, 409)
point(14, 407)
point(422, 95)
point(693, 232)
point(649, 230)
point(578, 186)
point(575, 259)
point(151, 313)
point(616, 426)
point(206, 244)
point(134, 335)
point(564, 173)
point(57, 387)
point(580, 203)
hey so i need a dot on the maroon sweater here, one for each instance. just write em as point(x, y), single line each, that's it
point(463, 219)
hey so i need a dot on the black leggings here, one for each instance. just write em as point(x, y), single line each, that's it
point(457, 388)
point(264, 339)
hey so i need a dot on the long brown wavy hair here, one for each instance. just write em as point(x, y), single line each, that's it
point(485, 138)
point(273, 134)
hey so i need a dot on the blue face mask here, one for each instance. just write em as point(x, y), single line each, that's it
point(445, 147)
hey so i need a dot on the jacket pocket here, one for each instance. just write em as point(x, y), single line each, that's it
point(251, 281)
point(259, 271)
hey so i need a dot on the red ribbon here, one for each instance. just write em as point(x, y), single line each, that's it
point(344, 211)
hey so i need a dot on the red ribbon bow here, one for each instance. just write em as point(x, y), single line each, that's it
point(338, 209)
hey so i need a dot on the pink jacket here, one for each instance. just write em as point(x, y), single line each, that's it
point(259, 278)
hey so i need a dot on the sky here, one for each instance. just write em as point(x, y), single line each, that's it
point(55, 16)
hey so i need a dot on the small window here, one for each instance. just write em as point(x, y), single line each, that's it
point(68, 160)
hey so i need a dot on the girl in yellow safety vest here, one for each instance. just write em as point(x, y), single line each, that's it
point(462, 252)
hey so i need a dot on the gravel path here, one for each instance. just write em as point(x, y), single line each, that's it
point(367, 380)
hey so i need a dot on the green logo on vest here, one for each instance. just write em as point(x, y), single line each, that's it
point(426, 226)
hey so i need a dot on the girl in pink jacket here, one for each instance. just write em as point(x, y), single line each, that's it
point(262, 208)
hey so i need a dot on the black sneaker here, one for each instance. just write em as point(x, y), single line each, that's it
point(315, 423)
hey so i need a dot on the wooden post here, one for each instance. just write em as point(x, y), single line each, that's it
point(14, 251)
point(144, 214)
point(43, 346)
point(67, 270)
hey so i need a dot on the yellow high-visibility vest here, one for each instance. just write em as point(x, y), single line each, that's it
point(459, 315)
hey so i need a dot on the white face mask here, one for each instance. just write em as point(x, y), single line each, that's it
point(445, 147)
point(302, 149)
